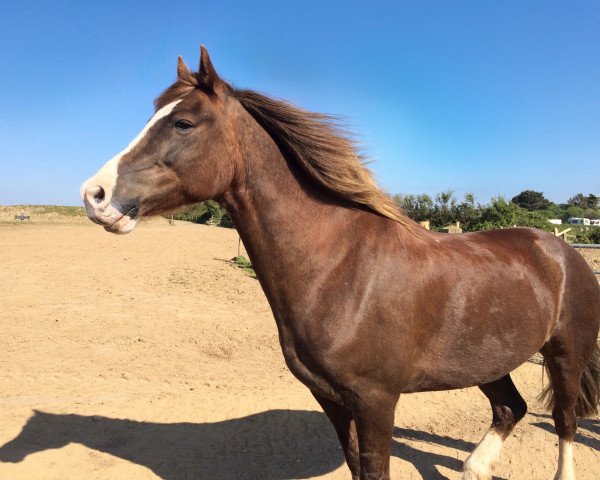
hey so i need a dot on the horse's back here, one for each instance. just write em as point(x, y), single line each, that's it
point(499, 296)
point(559, 267)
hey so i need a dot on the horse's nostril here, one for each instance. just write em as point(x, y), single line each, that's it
point(99, 195)
point(94, 196)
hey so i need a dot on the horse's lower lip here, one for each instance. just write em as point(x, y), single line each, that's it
point(112, 219)
point(131, 213)
point(119, 227)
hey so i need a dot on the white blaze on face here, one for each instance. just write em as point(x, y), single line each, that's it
point(107, 175)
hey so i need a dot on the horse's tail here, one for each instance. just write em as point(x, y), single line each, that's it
point(589, 395)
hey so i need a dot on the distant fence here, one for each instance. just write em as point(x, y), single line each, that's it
point(587, 245)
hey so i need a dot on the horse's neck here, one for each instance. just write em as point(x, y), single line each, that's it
point(287, 225)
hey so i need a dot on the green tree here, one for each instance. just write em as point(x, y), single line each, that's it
point(417, 207)
point(581, 205)
point(531, 200)
point(444, 210)
point(584, 201)
point(574, 211)
point(499, 213)
point(467, 213)
point(502, 214)
point(208, 212)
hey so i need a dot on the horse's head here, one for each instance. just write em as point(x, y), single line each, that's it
point(184, 154)
point(41, 432)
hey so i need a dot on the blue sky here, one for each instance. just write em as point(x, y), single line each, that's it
point(476, 96)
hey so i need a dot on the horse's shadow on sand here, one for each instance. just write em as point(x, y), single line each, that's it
point(276, 444)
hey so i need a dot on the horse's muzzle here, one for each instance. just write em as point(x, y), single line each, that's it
point(111, 215)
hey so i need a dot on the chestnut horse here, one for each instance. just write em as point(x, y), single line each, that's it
point(368, 304)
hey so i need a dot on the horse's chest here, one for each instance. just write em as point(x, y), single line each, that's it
point(302, 358)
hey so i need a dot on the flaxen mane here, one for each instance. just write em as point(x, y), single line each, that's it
point(316, 142)
point(323, 150)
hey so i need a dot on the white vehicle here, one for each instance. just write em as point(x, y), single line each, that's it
point(578, 221)
point(595, 222)
point(555, 221)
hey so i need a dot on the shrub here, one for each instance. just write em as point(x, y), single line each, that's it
point(243, 263)
point(502, 214)
point(208, 212)
point(586, 235)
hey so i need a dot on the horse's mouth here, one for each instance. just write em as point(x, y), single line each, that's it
point(113, 219)
point(125, 223)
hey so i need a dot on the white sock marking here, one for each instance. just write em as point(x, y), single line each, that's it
point(566, 470)
point(479, 464)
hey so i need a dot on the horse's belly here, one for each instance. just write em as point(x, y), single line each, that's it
point(480, 335)
point(461, 368)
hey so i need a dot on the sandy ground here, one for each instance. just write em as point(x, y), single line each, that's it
point(592, 256)
point(149, 356)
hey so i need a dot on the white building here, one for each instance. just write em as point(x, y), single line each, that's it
point(578, 221)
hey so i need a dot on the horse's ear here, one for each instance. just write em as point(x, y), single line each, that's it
point(207, 75)
point(183, 72)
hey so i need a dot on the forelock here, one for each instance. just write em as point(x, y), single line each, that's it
point(179, 89)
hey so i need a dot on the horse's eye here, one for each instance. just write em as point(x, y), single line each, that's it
point(183, 125)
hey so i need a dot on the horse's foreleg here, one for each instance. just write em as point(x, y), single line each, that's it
point(508, 407)
point(342, 420)
point(374, 417)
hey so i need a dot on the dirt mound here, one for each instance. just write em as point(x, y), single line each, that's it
point(152, 356)
point(55, 214)
point(42, 214)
